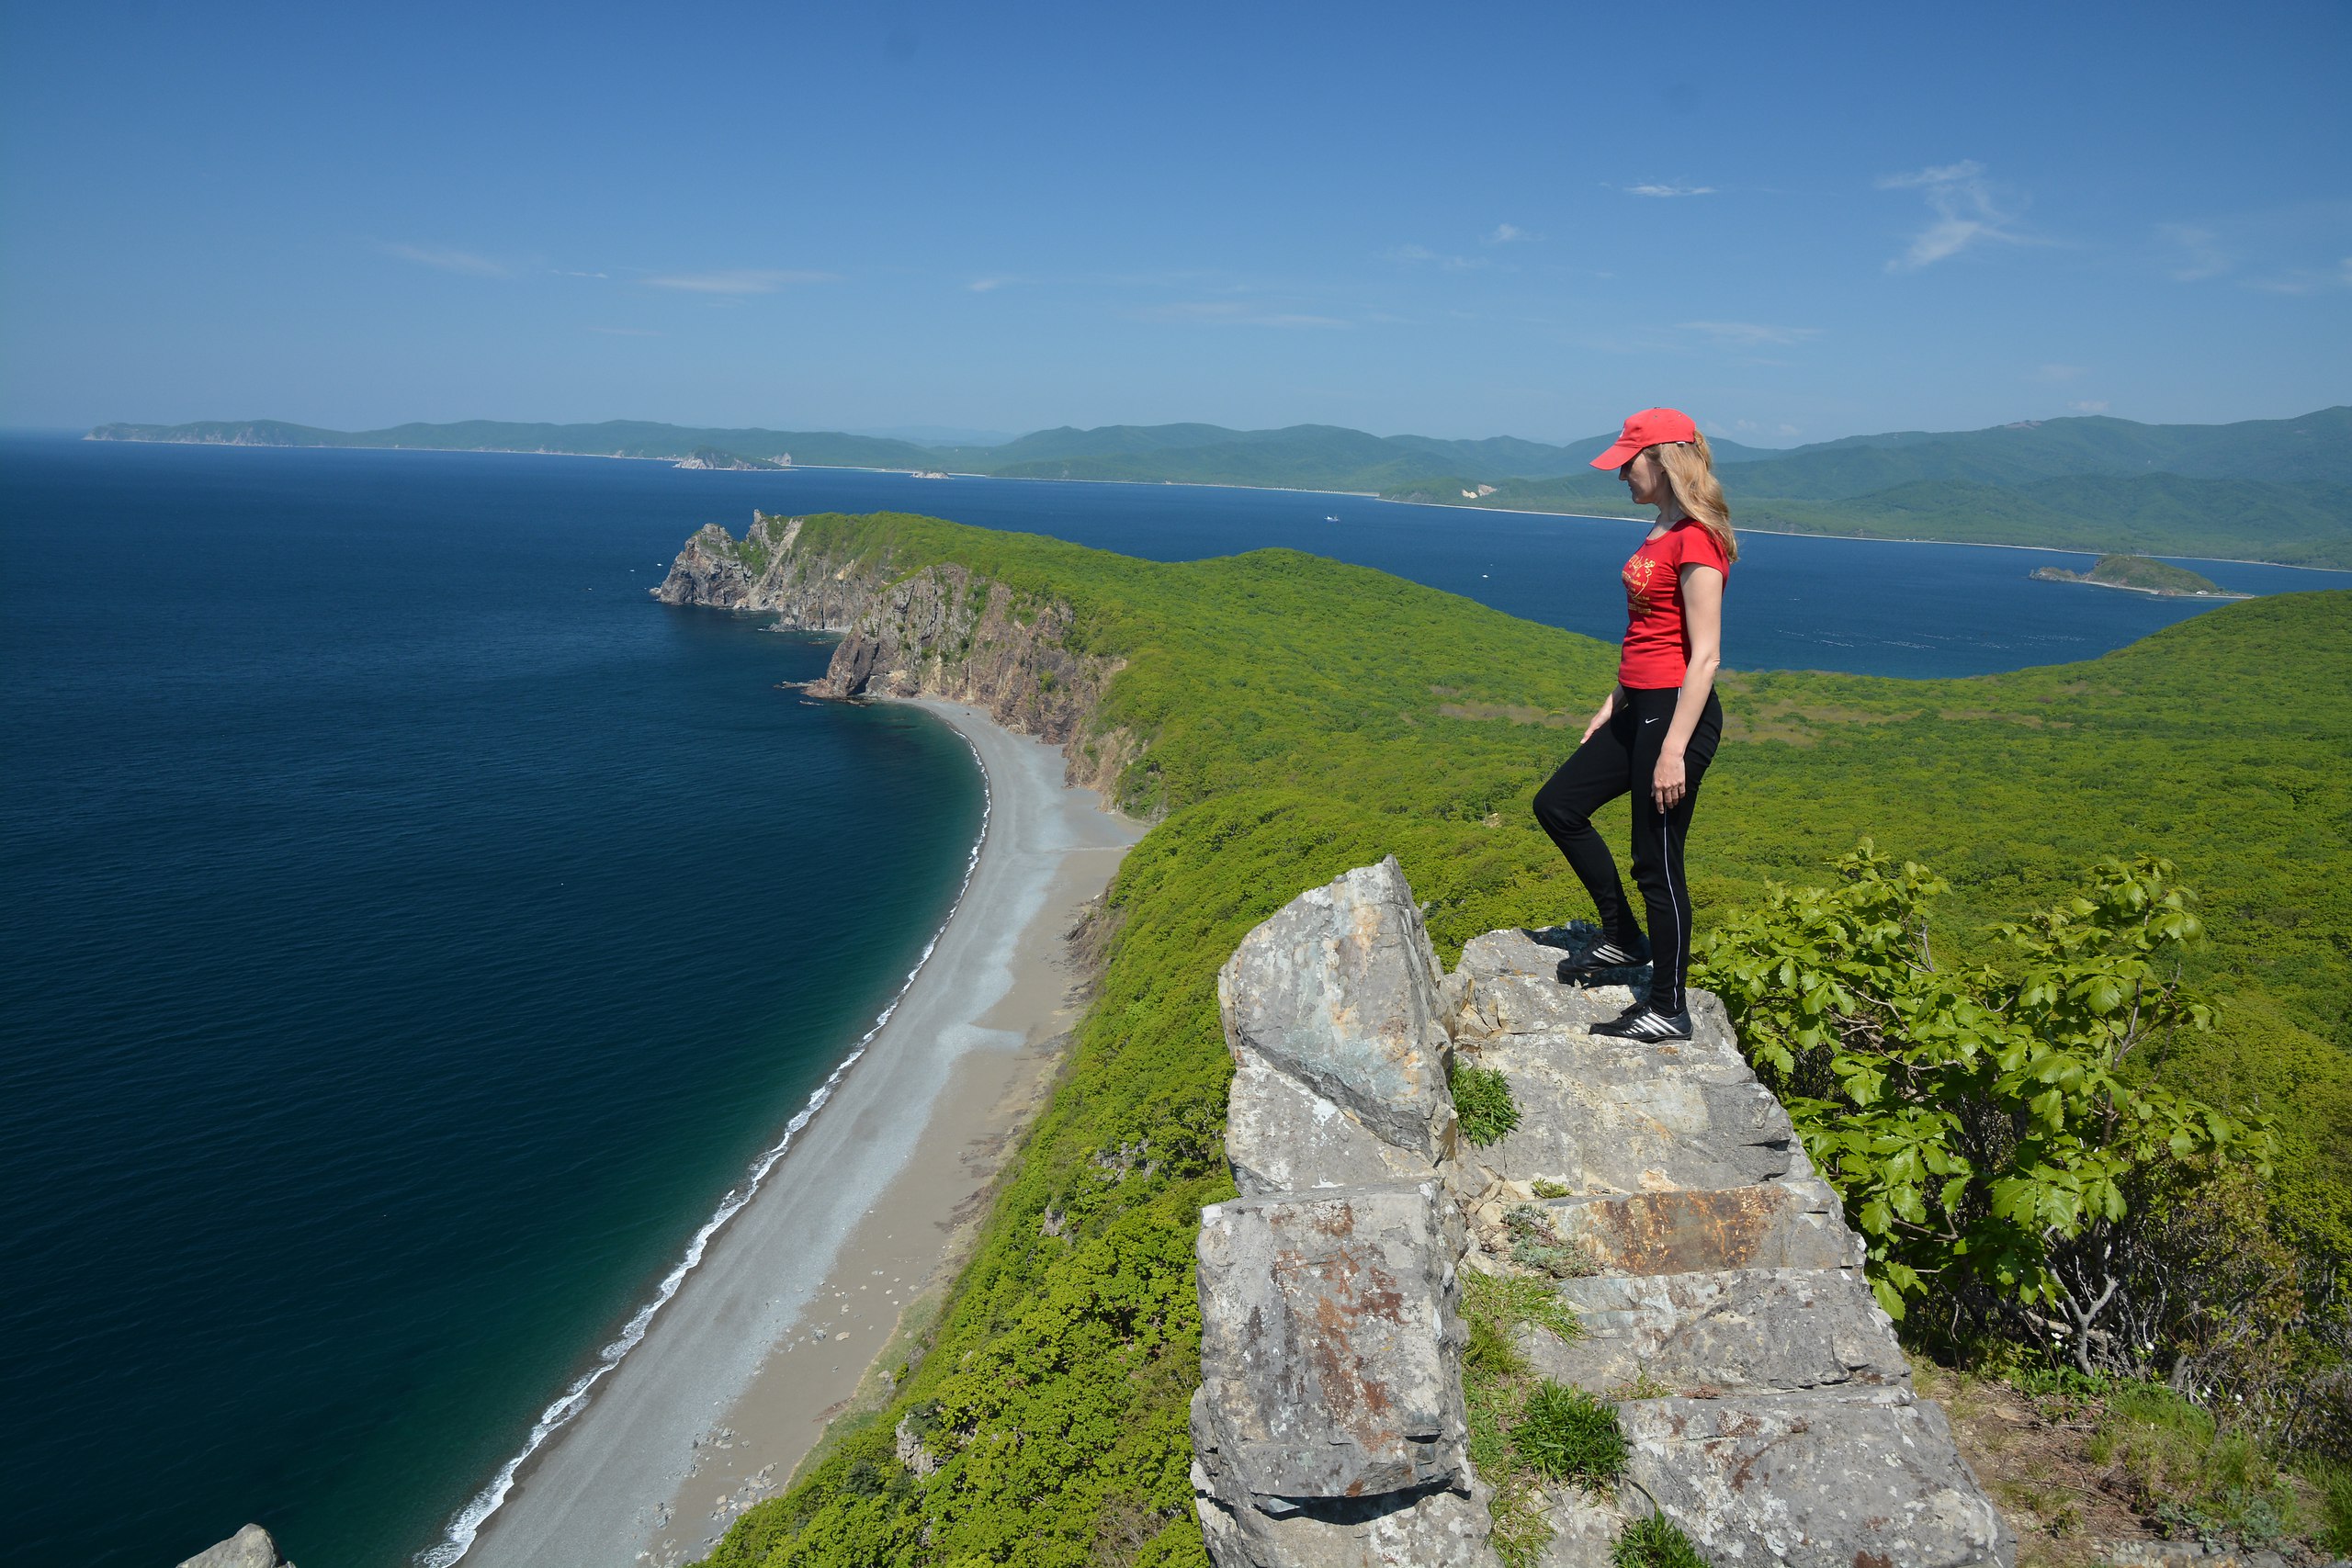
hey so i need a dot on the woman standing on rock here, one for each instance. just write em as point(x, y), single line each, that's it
point(1656, 732)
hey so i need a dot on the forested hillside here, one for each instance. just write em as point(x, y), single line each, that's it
point(1302, 717)
point(2265, 490)
point(2262, 490)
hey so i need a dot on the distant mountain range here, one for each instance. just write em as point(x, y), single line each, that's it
point(2265, 490)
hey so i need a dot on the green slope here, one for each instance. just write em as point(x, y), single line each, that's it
point(1306, 716)
point(2315, 447)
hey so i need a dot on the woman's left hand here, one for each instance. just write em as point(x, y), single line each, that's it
point(1667, 783)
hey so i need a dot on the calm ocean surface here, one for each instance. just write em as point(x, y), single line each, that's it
point(412, 932)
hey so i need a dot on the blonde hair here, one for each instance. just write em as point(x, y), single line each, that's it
point(1690, 471)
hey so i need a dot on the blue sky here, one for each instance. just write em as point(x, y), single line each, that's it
point(1796, 221)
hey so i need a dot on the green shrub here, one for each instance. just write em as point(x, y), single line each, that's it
point(1655, 1542)
point(1482, 1103)
point(1983, 1124)
point(1547, 1187)
point(1565, 1434)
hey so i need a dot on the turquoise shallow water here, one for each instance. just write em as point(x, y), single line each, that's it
point(412, 932)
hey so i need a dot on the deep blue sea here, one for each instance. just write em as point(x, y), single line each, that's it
point(412, 932)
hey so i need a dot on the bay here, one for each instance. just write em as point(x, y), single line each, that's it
point(412, 931)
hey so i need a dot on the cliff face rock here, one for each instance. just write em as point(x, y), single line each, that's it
point(249, 1548)
point(940, 631)
point(1766, 1406)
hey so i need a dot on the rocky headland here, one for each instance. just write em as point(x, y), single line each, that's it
point(1766, 1408)
point(936, 631)
point(712, 458)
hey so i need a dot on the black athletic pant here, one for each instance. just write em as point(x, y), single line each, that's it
point(1617, 761)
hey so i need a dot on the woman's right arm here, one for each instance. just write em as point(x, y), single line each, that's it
point(1607, 706)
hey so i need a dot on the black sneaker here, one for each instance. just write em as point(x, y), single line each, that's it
point(1603, 956)
point(1645, 1022)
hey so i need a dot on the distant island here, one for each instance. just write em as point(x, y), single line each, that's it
point(2274, 489)
point(712, 458)
point(2141, 575)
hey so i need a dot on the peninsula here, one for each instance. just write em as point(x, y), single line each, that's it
point(2138, 574)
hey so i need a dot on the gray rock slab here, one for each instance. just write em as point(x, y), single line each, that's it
point(1730, 1331)
point(1415, 1530)
point(1507, 982)
point(1331, 1343)
point(1584, 1529)
point(1771, 1226)
point(1282, 1136)
point(1813, 1482)
point(1339, 989)
point(1601, 1115)
point(249, 1548)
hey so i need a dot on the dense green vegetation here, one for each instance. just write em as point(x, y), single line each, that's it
point(1306, 716)
point(2137, 572)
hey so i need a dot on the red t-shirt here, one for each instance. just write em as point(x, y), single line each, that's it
point(1657, 644)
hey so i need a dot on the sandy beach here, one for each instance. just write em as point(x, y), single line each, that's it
point(793, 1299)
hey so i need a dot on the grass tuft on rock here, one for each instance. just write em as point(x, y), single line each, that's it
point(1496, 1380)
point(1482, 1102)
point(1565, 1434)
point(1655, 1542)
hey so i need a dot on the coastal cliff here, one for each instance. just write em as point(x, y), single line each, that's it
point(936, 631)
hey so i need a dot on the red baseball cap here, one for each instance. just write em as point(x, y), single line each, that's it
point(1648, 428)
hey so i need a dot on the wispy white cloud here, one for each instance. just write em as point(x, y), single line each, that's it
point(1236, 313)
point(1751, 427)
point(2089, 405)
point(1669, 190)
point(2307, 280)
point(989, 285)
point(1750, 334)
point(2195, 251)
point(745, 281)
point(1507, 233)
point(1966, 213)
point(1422, 256)
point(442, 259)
point(569, 272)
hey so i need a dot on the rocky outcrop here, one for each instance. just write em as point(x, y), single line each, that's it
point(249, 1548)
point(939, 631)
point(1329, 1428)
point(1766, 1406)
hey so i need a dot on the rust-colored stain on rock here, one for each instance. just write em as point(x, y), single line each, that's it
point(1684, 1232)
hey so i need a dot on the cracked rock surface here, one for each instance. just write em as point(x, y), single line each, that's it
point(1767, 1405)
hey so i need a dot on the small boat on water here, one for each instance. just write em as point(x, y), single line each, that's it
point(1331, 518)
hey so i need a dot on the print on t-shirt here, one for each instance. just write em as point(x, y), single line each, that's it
point(1641, 575)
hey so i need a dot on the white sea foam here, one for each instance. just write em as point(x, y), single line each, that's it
point(466, 1526)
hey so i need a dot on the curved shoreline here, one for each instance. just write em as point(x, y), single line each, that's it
point(460, 1536)
point(598, 1483)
